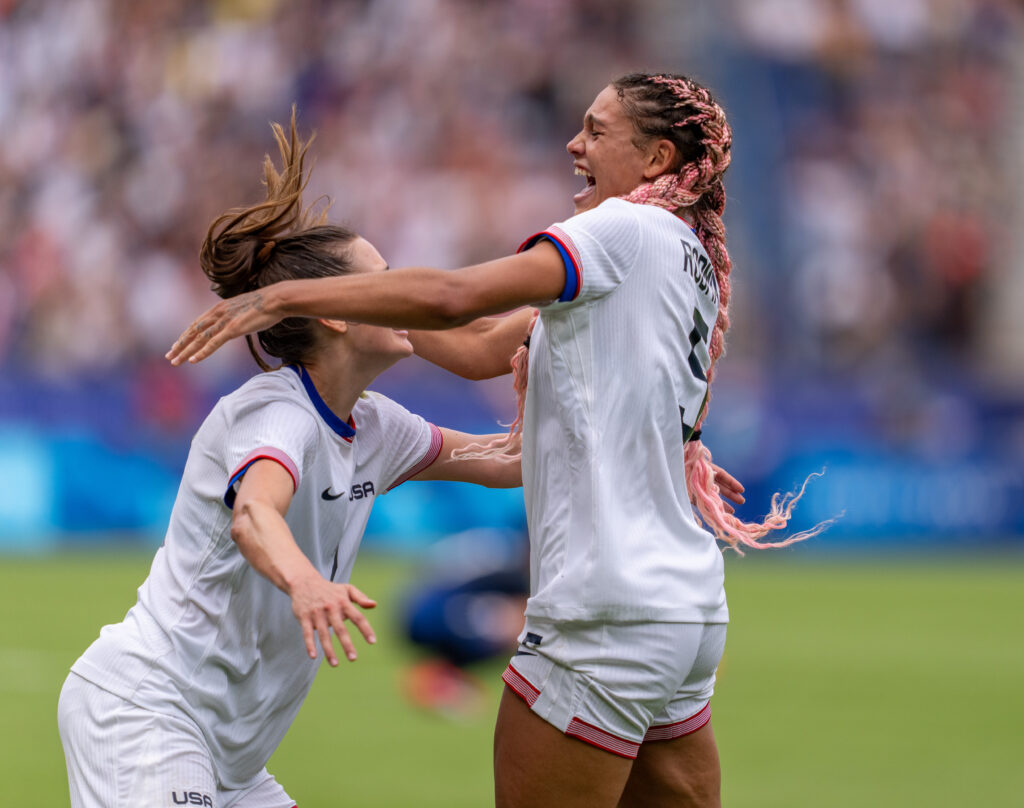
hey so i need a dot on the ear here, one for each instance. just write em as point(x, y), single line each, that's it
point(661, 157)
point(338, 326)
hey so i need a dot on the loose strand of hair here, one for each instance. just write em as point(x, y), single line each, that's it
point(284, 192)
point(507, 447)
point(728, 528)
point(266, 368)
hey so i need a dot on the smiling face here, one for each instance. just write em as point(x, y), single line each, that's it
point(605, 152)
point(373, 339)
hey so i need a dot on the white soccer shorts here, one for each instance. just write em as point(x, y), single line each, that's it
point(618, 685)
point(122, 756)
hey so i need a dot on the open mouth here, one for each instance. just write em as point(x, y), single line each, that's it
point(588, 188)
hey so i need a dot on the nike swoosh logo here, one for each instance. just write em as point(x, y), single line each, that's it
point(328, 495)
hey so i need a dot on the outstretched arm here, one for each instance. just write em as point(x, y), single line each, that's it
point(481, 349)
point(492, 472)
point(415, 298)
point(263, 537)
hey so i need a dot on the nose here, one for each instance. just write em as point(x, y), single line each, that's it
point(575, 146)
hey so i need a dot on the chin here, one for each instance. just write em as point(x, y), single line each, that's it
point(584, 205)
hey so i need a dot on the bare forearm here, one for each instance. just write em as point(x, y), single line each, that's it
point(416, 298)
point(263, 538)
point(491, 472)
point(501, 473)
point(482, 349)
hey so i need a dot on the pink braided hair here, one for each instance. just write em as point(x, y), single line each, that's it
point(683, 111)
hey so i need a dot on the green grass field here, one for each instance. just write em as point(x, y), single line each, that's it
point(845, 683)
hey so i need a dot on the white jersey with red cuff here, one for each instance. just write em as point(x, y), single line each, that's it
point(210, 637)
point(617, 377)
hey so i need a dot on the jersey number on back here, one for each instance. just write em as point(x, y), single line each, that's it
point(699, 361)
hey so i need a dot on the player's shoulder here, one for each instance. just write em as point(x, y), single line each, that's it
point(661, 227)
point(272, 390)
point(618, 220)
point(264, 385)
point(375, 406)
point(384, 420)
point(611, 210)
point(616, 208)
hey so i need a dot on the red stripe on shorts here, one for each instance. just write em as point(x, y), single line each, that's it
point(520, 686)
point(598, 737)
point(666, 732)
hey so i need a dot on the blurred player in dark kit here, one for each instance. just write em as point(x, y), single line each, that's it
point(465, 606)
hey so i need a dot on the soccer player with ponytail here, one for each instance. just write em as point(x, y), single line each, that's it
point(627, 616)
point(185, 700)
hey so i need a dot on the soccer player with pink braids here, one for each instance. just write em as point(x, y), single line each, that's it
point(607, 698)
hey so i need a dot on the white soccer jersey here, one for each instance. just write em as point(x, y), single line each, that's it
point(617, 378)
point(209, 636)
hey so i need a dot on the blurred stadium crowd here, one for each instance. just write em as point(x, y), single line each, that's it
point(873, 194)
point(896, 118)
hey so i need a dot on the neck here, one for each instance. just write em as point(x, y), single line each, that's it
point(340, 380)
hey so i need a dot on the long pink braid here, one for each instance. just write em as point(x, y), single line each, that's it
point(705, 141)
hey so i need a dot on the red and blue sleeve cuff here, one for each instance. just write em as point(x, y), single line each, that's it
point(266, 453)
point(436, 440)
point(570, 257)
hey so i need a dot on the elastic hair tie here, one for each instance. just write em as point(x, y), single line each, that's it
point(266, 250)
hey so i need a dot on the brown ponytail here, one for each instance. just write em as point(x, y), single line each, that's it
point(276, 240)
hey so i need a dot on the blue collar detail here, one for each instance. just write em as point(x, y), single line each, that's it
point(345, 430)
